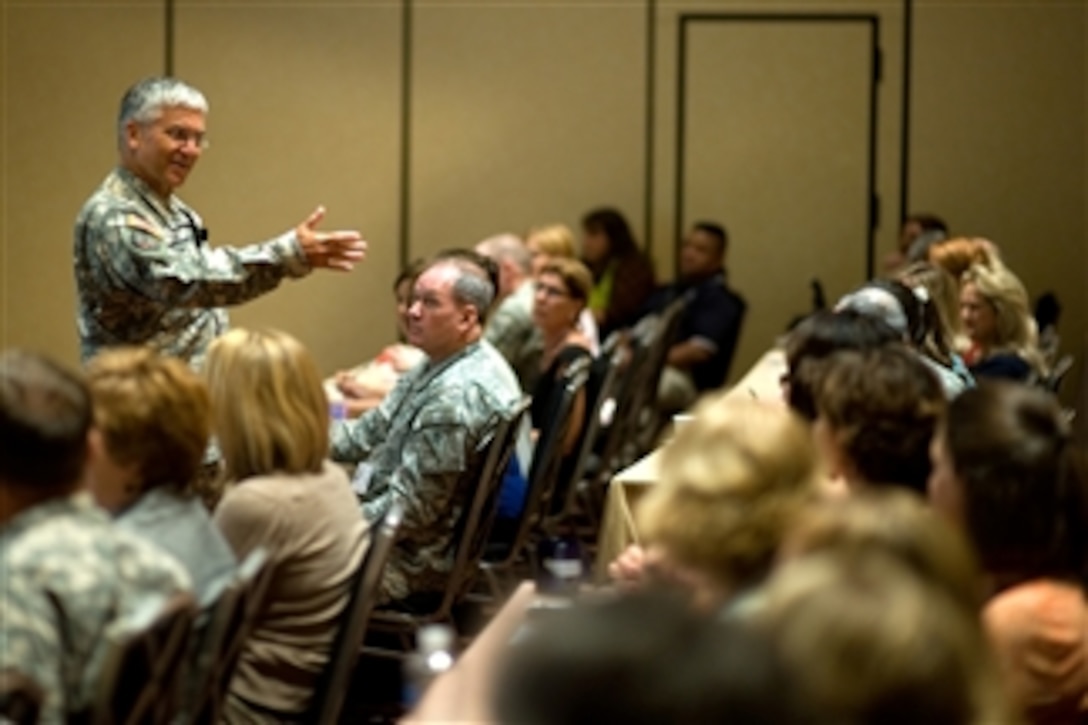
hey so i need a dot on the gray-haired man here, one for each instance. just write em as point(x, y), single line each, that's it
point(144, 272)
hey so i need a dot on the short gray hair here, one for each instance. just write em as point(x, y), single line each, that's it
point(472, 286)
point(144, 101)
point(504, 247)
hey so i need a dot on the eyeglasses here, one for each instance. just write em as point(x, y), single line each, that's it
point(550, 291)
point(182, 136)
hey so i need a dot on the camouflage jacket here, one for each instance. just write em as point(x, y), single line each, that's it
point(510, 328)
point(146, 276)
point(67, 573)
point(424, 446)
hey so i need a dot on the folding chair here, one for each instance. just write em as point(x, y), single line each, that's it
point(144, 663)
point(547, 459)
point(470, 538)
point(577, 497)
point(230, 622)
point(333, 683)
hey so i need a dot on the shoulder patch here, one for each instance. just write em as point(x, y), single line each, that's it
point(134, 221)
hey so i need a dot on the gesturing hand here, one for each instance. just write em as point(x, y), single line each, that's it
point(339, 249)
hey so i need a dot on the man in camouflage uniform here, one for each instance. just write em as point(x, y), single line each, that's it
point(67, 573)
point(144, 272)
point(510, 326)
point(426, 442)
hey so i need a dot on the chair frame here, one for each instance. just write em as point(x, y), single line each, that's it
point(474, 528)
point(333, 683)
point(543, 476)
point(231, 619)
point(155, 644)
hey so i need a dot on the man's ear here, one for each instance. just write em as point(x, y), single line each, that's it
point(132, 135)
point(96, 445)
point(470, 316)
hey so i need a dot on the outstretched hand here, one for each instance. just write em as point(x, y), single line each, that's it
point(339, 249)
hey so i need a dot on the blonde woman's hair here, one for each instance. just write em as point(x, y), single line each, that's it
point(554, 240)
point(732, 482)
point(1015, 329)
point(270, 411)
point(152, 411)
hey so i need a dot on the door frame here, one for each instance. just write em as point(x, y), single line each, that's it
point(876, 72)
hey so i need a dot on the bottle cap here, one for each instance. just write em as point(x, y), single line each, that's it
point(434, 638)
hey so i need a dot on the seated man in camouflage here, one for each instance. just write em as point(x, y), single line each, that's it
point(66, 572)
point(510, 326)
point(423, 444)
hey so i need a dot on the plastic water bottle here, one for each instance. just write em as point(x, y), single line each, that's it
point(562, 569)
point(434, 655)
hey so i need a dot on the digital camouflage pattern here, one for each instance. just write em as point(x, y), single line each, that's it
point(67, 574)
point(145, 277)
point(511, 329)
point(424, 446)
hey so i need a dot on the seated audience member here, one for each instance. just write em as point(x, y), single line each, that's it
point(957, 255)
point(364, 387)
point(644, 658)
point(899, 524)
point(732, 482)
point(873, 643)
point(510, 325)
point(943, 329)
point(67, 573)
point(917, 234)
point(271, 420)
point(561, 292)
point(1001, 339)
point(913, 315)
point(818, 337)
point(153, 419)
point(623, 277)
point(548, 243)
point(425, 444)
point(877, 413)
point(556, 241)
point(1006, 469)
point(710, 324)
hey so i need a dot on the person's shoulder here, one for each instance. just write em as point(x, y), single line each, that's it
point(1003, 365)
point(481, 381)
point(83, 549)
point(1037, 609)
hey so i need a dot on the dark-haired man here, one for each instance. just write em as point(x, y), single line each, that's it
point(710, 324)
point(67, 574)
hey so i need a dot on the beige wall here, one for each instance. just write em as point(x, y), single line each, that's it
point(999, 133)
point(522, 112)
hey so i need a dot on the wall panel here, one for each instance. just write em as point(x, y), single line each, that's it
point(304, 110)
point(999, 121)
point(65, 67)
point(524, 113)
point(778, 145)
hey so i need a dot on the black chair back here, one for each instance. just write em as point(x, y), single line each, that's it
point(547, 459)
point(144, 664)
point(335, 679)
point(231, 619)
point(604, 373)
point(470, 537)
